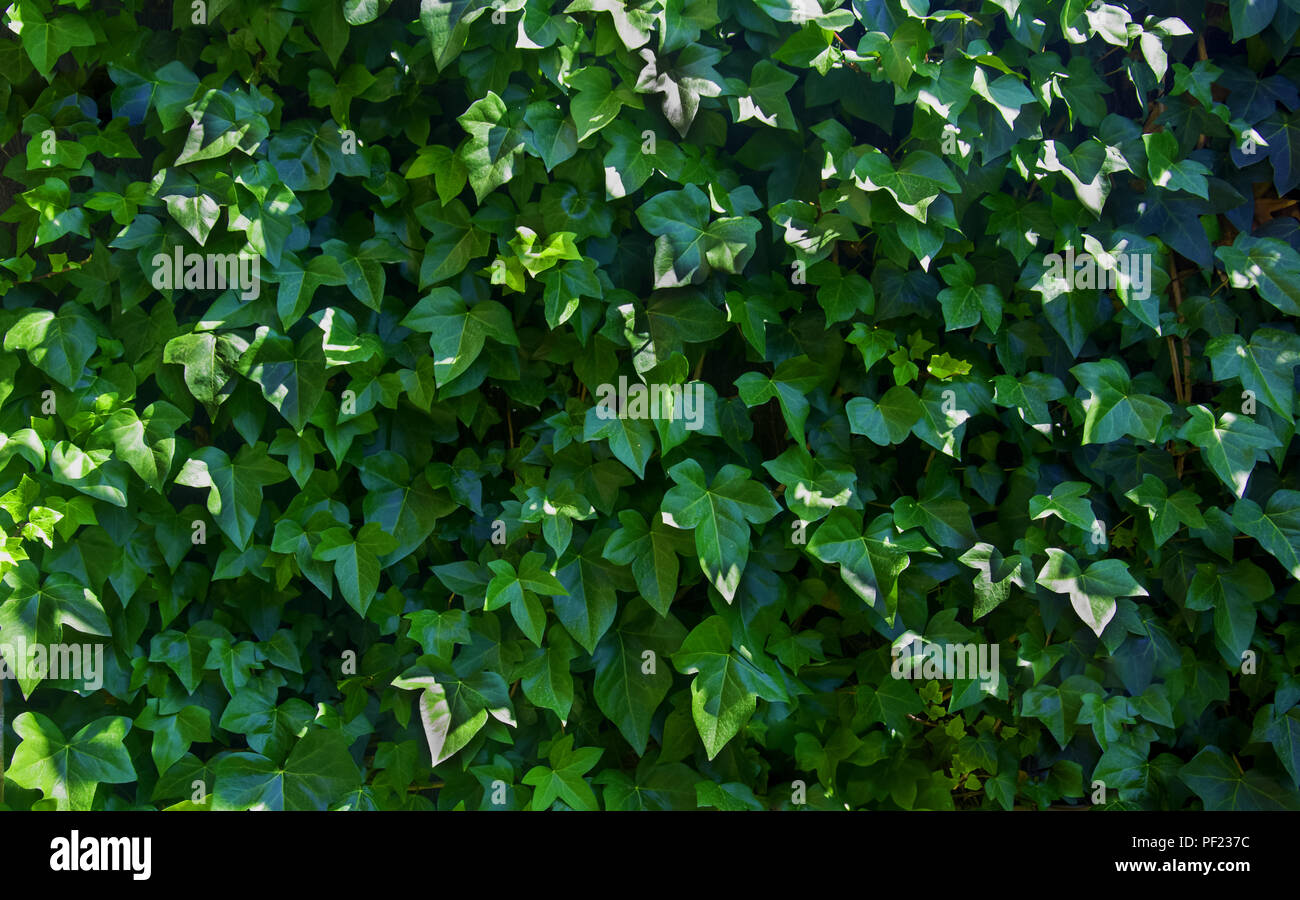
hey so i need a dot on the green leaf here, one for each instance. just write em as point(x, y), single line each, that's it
point(454, 709)
point(719, 513)
point(562, 779)
point(356, 561)
point(35, 609)
point(1276, 526)
point(1067, 502)
point(496, 141)
point(871, 562)
point(727, 685)
point(1264, 365)
point(59, 345)
point(1222, 785)
point(1168, 171)
point(1092, 591)
point(234, 486)
point(457, 332)
point(964, 302)
point(1250, 17)
point(69, 771)
point(888, 421)
point(1233, 592)
point(545, 675)
point(1267, 265)
point(631, 440)
point(45, 40)
point(211, 362)
point(914, 185)
point(813, 488)
point(317, 774)
point(789, 384)
point(632, 673)
point(651, 550)
point(1230, 446)
point(292, 378)
point(689, 246)
point(1165, 511)
point(1112, 410)
point(588, 607)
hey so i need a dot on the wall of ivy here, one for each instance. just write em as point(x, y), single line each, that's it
point(644, 404)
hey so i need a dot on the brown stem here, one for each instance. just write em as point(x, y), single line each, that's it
point(1187, 350)
point(1173, 365)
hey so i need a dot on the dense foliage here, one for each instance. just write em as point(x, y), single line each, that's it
point(983, 327)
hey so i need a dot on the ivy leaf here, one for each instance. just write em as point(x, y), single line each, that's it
point(457, 332)
point(651, 550)
point(59, 345)
point(545, 675)
point(1093, 591)
point(914, 185)
point(211, 362)
point(518, 589)
point(683, 82)
point(562, 779)
point(1233, 592)
point(234, 486)
point(69, 771)
point(317, 774)
point(632, 675)
point(595, 102)
point(1030, 394)
point(363, 266)
point(1250, 17)
point(1221, 784)
point(764, 98)
point(1284, 734)
point(813, 488)
point(1166, 512)
point(292, 378)
point(356, 561)
point(1264, 365)
point(551, 135)
point(404, 507)
point(496, 142)
point(1067, 502)
point(1276, 526)
point(564, 286)
point(964, 302)
point(45, 40)
point(1112, 410)
point(688, 245)
point(36, 609)
point(719, 513)
point(1230, 446)
point(590, 604)
point(454, 709)
point(869, 563)
point(789, 384)
point(1168, 171)
point(888, 421)
point(453, 241)
point(727, 685)
point(1267, 265)
point(631, 440)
